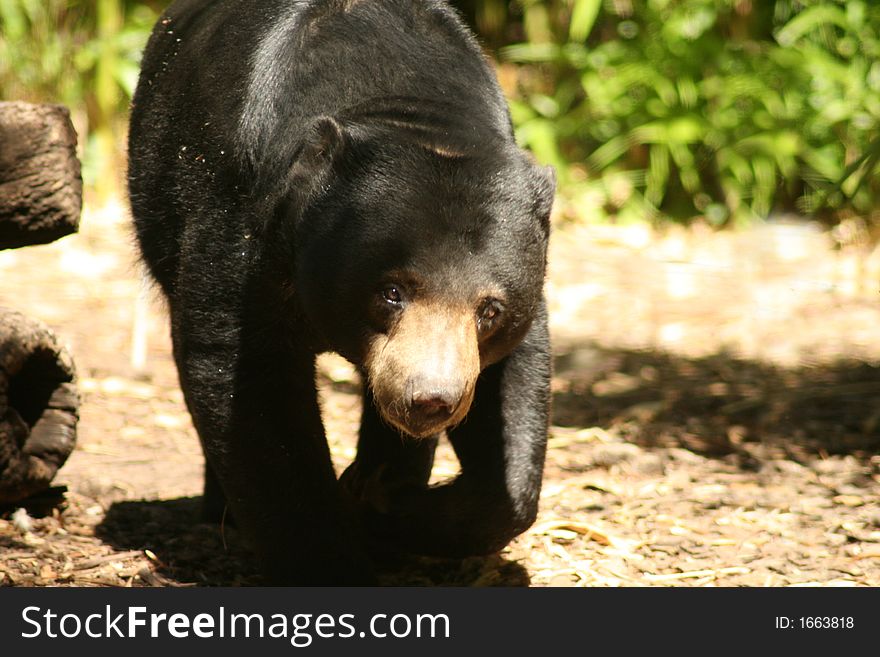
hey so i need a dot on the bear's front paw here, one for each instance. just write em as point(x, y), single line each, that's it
point(366, 490)
point(379, 490)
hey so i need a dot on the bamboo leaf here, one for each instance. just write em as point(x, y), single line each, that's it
point(809, 19)
point(583, 18)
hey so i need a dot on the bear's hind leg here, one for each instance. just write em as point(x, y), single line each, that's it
point(214, 507)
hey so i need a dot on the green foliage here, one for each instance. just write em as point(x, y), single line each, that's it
point(82, 53)
point(726, 109)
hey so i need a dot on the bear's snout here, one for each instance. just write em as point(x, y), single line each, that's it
point(435, 396)
point(424, 371)
point(433, 399)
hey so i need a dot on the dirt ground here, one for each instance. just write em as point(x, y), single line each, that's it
point(716, 419)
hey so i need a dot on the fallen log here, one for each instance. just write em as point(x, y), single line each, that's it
point(40, 177)
point(38, 406)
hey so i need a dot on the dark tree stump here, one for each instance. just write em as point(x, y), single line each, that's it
point(38, 406)
point(40, 179)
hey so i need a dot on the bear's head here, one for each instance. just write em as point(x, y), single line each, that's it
point(420, 253)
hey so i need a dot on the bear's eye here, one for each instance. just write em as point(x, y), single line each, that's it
point(489, 312)
point(392, 294)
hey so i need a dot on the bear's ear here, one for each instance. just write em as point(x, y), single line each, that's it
point(323, 142)
point(545, 191)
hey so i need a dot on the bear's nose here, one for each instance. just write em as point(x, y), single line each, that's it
point(435, 400)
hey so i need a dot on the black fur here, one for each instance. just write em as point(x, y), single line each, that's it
point(285, 155)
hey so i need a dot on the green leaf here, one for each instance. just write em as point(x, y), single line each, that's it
point(126, 75)
point(531, 52)
point(520, 112)
point(658, 174)
point(583, 18)
point(609, 152)
point(808, 20)
point(539, 136)
point(13, 22)
point(545, 105)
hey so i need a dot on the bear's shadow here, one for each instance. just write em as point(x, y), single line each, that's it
point(192, 552)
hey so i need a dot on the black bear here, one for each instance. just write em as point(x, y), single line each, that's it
point(341, 175)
